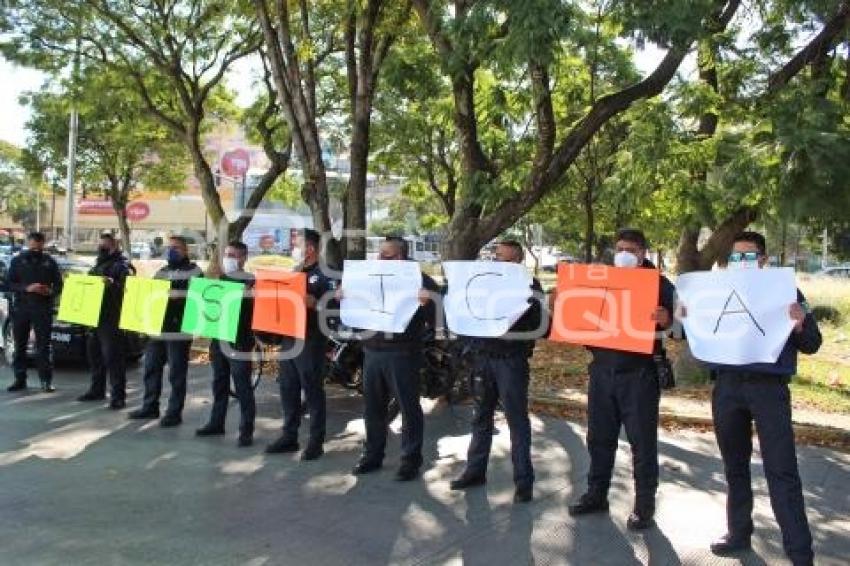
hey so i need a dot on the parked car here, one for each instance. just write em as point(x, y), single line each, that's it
point(69, 340)
point(842, 271)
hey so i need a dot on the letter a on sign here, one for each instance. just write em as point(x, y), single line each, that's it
point(144, 305)
point(279, 303)
point(737, 317)
point(606, 307)
point(212, 308)
point(81, 299)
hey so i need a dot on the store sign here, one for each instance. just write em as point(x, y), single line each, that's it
point(235, 163)
point(135, 211)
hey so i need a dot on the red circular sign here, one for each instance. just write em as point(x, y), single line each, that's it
point(235, 163)
point(137, 211)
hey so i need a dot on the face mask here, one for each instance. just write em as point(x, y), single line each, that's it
point(625, 259)
point(743, 260)
point(173, 256)
point(36, 252)
point(103, 251)
point(737, 265)
point(229, 265)
point(298, 255)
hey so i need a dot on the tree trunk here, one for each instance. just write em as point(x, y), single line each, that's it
point(690, 258)
point(589, 228)
point(355, 195)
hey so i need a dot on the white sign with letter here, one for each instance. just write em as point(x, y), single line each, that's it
point(737, 317)
point(485, 298)
point(380, 295)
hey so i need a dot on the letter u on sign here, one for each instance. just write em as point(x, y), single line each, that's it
point(212, 308)
point(144, 305)
point(81, 299)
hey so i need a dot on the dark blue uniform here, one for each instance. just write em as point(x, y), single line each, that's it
point(233, 360)
point(31, 311)
point(500, 367)
point(759, 393)
point(172, 347)
point(624, 392)
point(306, 370)
point(106, 343)
point(391, 366)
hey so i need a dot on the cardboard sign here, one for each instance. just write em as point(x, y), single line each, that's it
point(279, 303)
point(485, 298)
point(212, 308)
point(380, 295)
point(144, 305)
point(737, 317)
point(606, 307)
point(81, 299)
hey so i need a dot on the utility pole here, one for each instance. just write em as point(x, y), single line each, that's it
point(72, 158)
point(824, 261)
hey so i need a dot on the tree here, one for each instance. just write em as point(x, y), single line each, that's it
point(19, 185)
point(174, 54)
point(301, 44)
point(120, 147)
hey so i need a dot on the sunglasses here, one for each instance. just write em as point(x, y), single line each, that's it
point(743, 256)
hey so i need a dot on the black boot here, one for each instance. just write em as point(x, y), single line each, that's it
point(467, 480)
point(730, 545)
point(282, 445)
point(17, 385)
point(588, 503)
point(91, 396)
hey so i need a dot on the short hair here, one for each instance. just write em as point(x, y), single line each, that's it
point(36, 236)
point(311, 237)
point(632, 235)
point(238, 245)
point(402, 244)
point(107, 236)
point(182, 239)
point(753, 238)
point(519, 253)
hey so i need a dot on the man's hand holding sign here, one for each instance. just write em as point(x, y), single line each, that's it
point(212, 308)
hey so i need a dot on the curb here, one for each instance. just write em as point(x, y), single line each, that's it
point(808, 434)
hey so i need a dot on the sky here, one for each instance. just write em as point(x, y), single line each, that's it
point(17, 80)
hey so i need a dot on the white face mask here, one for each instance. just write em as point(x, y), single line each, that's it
point(736, 265)
point(297, 255)
point(625, 259)
point(230, 265)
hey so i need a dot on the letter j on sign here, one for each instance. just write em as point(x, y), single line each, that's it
point(81, 299)
point(212, 308)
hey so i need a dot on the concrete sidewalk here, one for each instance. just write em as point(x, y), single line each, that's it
point(83, 485)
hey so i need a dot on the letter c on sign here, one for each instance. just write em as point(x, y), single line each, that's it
point(469, 304)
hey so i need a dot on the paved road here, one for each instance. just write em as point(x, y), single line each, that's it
point(83, 485)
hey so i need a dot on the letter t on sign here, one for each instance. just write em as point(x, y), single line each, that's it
point(279, 306)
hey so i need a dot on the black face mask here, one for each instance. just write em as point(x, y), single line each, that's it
point(103, 251)
point(37, 253)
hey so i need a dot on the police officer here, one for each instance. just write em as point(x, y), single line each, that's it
point(171, 347)
point(304, 369)
point(624, 390)
point(35, 282)
point(759, 393)
point(501, 364)
point(391, 365)
point(233, 359)
point(106, 343)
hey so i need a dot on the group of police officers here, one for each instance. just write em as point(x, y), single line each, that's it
point(623, 392)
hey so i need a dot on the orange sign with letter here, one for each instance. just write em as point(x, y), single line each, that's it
point(279, 305)
point(606, 307)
